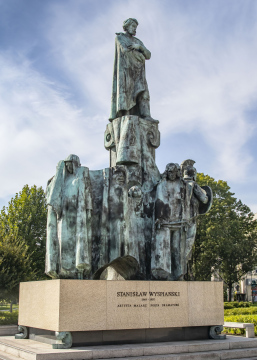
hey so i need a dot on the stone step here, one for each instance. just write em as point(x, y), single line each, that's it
point(7, 330)
point(5, 356)
point(231, 348)
point(239, 354)
point(9, 347)
point(210, 355)
point(215, 355)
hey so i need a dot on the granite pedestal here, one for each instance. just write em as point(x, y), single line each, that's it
point(109, 312)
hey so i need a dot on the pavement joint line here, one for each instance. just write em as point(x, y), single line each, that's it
point(16, 347)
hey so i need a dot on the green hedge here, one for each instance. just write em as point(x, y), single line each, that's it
point(240, 311)
point(243, 319)
point(7, 318)
point(235, 304)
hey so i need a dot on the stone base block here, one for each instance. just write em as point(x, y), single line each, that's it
point(116, 337)
point(93, 305)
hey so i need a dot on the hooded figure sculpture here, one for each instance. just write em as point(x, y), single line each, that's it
point(130, 95)
point(68, 249)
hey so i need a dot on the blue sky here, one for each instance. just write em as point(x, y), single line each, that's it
point(56, 60)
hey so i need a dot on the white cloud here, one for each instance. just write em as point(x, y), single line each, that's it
point(201, 78)
point(211, 88)
point(39, 127)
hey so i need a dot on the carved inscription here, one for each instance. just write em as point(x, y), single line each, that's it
point(150, 293)
point(148, 296)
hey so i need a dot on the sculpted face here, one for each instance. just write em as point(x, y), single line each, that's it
point(190, 173)
point(179, 173)
point(69, 166)
point(172, 173)
point(137, 192)
point(132, 28)
point(120, 178)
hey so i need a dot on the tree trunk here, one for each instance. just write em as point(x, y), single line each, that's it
point(229, 292)
point(11, 307)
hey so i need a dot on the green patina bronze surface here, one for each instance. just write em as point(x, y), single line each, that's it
point(126, 221)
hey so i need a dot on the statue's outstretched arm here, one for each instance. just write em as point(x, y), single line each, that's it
point(200, 194)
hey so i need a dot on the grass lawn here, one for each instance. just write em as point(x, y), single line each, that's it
point(7, 307)
point(7, 318)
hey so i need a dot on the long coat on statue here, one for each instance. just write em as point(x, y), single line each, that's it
point(128, 75)
point(68, 248)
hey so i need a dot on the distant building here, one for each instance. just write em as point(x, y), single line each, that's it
point(248, 284)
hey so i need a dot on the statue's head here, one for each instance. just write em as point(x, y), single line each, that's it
point(172, 171)
point(130, 26)
point(188, 170)
point(119, 175)
point(135, 192)
point(71, 163)
point(190, 173)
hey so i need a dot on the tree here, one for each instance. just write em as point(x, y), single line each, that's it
point(226, 239)
point(25, 220)
point(15, 266)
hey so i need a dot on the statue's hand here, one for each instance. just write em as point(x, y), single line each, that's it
point(135, 47)
point(158, 224)
point(139, 56)
point(89, 214)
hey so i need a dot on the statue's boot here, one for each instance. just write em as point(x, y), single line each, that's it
point(144, 106)
point(160, 274)
point(83, 271)
point(111, 274)
point(122, 268)
point(53, 274)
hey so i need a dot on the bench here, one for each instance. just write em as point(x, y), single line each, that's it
point(249, 328)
